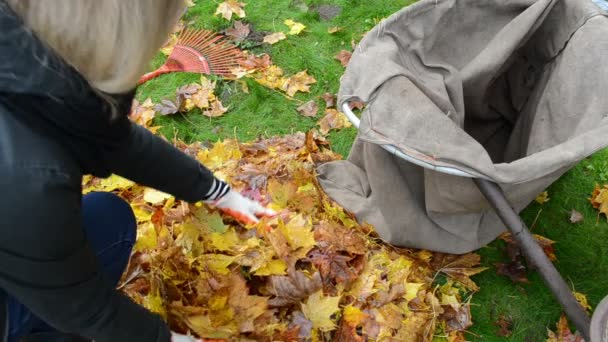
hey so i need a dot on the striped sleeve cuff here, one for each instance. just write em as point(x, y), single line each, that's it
point(217, 190)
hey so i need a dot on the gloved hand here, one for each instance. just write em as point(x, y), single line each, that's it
point(175, 337)
point(242, 208)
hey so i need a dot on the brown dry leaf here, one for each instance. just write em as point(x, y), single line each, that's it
point(293, 288)
point(356, 105)
point(333, 119)
point(229, 7)
point(274, 38)
point(457, 318)
point(546, 244)
point(563, 333)
point(239, 32)
point(334, 266)
point(460, 268)
point(339, 238)
point(576, 217)
point(253, 62)
point(599, 199)
point(344, 57)
point(309, 109)
point(299, 82)
point(515, 270)
point(505, 326)
point(330, 100)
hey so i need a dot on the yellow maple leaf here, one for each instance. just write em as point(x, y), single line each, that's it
point(230, 7)
point(273, 267)
point(319, 309)
point(298, 82)
point(217, 262)
point(114, 182)
point(146, 237)
point(582, 300)
point(411, 290)
point(298, 232)
point(274, 38)
point(353, 315)
point(155, 197)
point(271, 77)
point(599, 199)
point(294, 26)
point(225, 241)
point(543, 197)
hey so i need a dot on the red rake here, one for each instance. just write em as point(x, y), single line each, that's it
point(199, 51)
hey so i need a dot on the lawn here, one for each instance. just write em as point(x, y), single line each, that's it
point(581, 248)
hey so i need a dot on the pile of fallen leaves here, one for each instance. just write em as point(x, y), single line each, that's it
point(311, 273)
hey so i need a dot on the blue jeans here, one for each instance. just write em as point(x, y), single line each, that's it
point(110, 228)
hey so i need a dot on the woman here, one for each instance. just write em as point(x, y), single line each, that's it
point(67, 75)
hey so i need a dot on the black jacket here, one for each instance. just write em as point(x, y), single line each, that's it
point(53, 129)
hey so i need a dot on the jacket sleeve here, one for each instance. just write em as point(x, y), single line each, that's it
point(151, 161)
point(59, 280)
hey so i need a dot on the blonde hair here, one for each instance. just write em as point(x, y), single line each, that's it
point(110, 42)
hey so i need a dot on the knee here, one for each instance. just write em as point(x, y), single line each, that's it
point(109, 212)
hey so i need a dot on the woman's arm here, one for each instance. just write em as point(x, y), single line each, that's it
point(151, 161)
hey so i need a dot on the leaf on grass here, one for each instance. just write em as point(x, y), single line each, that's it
point(319, 309)
point(460, 268)
point(599, 199)
point(582, 300)
point(542, 198)
point(239, 31)
point(298, 82)
point(457, 318)
point(333, 120)
point(217, 109)
point(344, 57)
point(294, 27)
point(293, 288)
point(143, 113)
point(309, 109)
point(505, 326)
point(274, 38)
point(253, 62)
point(330, 100)
point(166, 107)
point(334, 29)
point(563, 333)
point(515, 270)
point(167, 48)
point(229, 7)
point(546, 244)
point(576, 217)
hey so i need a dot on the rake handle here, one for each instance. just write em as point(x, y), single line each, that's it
point(148, 76)
point(575, 312)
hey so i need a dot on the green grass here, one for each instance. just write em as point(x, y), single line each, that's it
point(582, 249)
